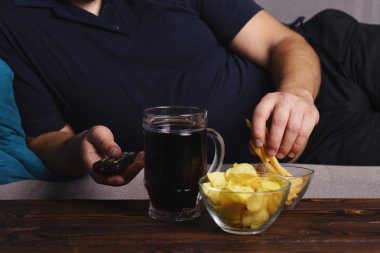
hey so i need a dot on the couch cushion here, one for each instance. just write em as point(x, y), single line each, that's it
point(328, 182)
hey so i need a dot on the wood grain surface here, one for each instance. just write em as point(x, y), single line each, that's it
point(315, 225)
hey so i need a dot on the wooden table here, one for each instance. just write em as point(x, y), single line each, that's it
point(315, 225)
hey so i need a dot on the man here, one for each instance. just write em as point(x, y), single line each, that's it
point(90, 67)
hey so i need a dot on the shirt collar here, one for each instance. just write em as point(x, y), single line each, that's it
point(35, 3)
point(65, 10)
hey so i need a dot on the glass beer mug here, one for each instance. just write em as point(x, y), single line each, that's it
point(175, 144)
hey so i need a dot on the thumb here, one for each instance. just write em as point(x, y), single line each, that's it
point(103, 141)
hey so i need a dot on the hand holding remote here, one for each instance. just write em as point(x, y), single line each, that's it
point(114, 166)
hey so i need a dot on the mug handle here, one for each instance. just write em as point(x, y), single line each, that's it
point(217, 162)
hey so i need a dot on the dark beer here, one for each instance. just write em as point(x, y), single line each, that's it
point(174, 162)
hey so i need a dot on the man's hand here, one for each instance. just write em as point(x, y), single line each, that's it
point(293, 117)
point(73, 155)
point(98, 142)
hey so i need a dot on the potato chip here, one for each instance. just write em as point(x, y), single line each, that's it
point(213, 196)
point(254, 219)
point(256, 202)
point(268, 185)
point(242, 174)
point(259, 218)
point(237, 193)
point(217, 179)
point(274, 201)
point(230, 214)
point(247, 218)
point(296, 182)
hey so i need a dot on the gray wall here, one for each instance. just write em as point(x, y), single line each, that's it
point(367, 11)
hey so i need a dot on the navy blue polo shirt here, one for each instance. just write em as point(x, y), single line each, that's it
point(77, 68)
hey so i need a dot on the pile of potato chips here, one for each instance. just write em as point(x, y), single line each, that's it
point(243, 198)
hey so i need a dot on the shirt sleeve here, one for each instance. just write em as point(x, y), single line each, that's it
point(227, 17)
point(38, 110)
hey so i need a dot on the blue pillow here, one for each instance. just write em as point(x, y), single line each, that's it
point(17, 161)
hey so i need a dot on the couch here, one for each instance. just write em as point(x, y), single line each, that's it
point(328, 182)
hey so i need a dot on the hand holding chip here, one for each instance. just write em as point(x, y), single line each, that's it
point(273, 166)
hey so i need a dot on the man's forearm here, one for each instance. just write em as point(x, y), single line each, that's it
point(60, 151)
point(296, 67)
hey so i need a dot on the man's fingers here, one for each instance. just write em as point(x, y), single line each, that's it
point(279, 123)
point(129, 173)
point(102, 138)
point(292, 120)
point(98, 141)
point(112, 181)
point(134, 169)
point(308, 124)
point(292, 129)
point(260, 117)
point(140, 157)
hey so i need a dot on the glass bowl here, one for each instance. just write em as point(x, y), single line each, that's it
point(245, 213)
point(300, 182)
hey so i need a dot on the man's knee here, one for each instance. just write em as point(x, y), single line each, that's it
point(330, 26)
point(332, 16)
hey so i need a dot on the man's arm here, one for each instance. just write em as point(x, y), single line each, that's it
point(296, 71)
point(72, 155)
point(58, 150)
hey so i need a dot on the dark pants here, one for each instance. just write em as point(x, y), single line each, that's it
point(349, 100)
